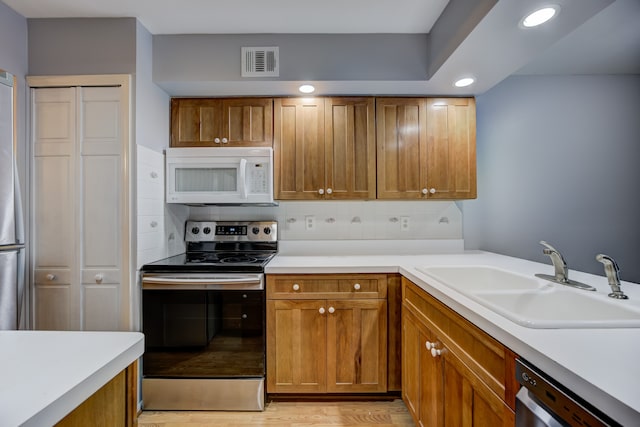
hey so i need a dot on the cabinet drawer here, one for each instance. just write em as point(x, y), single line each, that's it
point(487, 358)
point(342, 286)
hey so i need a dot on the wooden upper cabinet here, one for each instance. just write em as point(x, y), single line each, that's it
point(402, 147)
point(426, 148)
point(350, 148)
point(451, 148)
point(324, 148)
point(299, 148)
point(217, 122)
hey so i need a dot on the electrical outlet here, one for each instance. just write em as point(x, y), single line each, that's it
point(404, 223)
point(309, 222)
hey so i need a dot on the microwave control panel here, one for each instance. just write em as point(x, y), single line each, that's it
point(258, 182)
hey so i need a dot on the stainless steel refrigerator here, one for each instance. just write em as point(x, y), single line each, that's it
point(12, 248)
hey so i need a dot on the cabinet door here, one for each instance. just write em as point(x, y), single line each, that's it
point(451, 148)
point(247, 122)
point(299, 171)
point(350, 150)
point(422, 380)
point(356, 346)
point(195, 122)
point(401, 128)
point(296, 346)
point(102, 214)
point(468, 400)
point(56, 284)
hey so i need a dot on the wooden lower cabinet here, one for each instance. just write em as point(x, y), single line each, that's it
point(453, 373)
point(113, 405)
point(335, 344)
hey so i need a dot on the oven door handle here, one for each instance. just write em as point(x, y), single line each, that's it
point(176, 282)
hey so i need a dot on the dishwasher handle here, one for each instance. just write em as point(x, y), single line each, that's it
point(530, 413)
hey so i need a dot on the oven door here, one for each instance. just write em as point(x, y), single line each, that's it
point(204, 342)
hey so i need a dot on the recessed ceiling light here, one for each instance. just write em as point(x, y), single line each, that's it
point(540, 16)
point(464, 82)
point(307, 89)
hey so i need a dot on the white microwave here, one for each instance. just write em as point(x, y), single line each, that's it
point(225, 175)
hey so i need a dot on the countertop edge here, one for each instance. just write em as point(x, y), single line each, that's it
point(67, 402)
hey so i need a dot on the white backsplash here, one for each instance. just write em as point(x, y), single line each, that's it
point(349, 220)
point(160, 226)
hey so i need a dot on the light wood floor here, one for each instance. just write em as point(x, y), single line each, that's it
point(290, 414)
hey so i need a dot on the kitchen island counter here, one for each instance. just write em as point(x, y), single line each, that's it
point(45, 375)
point(600, 365)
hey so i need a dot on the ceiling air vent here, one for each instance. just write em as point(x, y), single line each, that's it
point(260, 62)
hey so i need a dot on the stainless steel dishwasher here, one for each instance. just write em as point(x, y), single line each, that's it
point(541, 402)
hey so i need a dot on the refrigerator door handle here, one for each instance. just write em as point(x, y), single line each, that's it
point(11, 248)
point(21, 286)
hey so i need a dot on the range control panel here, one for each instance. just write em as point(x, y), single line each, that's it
point(234, 231)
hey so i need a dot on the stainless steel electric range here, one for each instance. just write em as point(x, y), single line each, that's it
point(203, 317)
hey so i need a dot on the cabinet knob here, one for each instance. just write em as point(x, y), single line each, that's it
point(321, 191)
point(244, 316)
point(225, 140)
point(332, 310)
point(154, 174)
point(321, 310)
point(429, 345)
point(329, 191)
point(425, 191)
point(216, 140)
point(51, 277)
point(432, 190)
point(98, 278)
point(153, 224)
point(435, 352)
point(356, 286)
point(296, 287)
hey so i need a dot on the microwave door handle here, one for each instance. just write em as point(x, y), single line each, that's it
point(243, 178)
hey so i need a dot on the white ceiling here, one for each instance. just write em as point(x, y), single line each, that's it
point(250, 16)
point(587, 37)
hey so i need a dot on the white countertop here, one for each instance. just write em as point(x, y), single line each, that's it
point(44, 375)
point(600, 365)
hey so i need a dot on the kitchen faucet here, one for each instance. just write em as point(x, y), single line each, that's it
point(559, 264)
point(611, 270)
point(561, 272)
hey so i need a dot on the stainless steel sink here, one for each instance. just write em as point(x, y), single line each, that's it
point(534, 302)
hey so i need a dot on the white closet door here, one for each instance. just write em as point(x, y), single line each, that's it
point(101, 207)
point(54, 187)
point(79, 217)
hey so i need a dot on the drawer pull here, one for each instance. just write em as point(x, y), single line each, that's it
point(296, 287)
point(356, 286)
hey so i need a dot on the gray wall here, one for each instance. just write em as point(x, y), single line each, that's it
point(558, 160)
point(212, 57)
point(152, 103)
point(13, 58)
point(82, 46)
